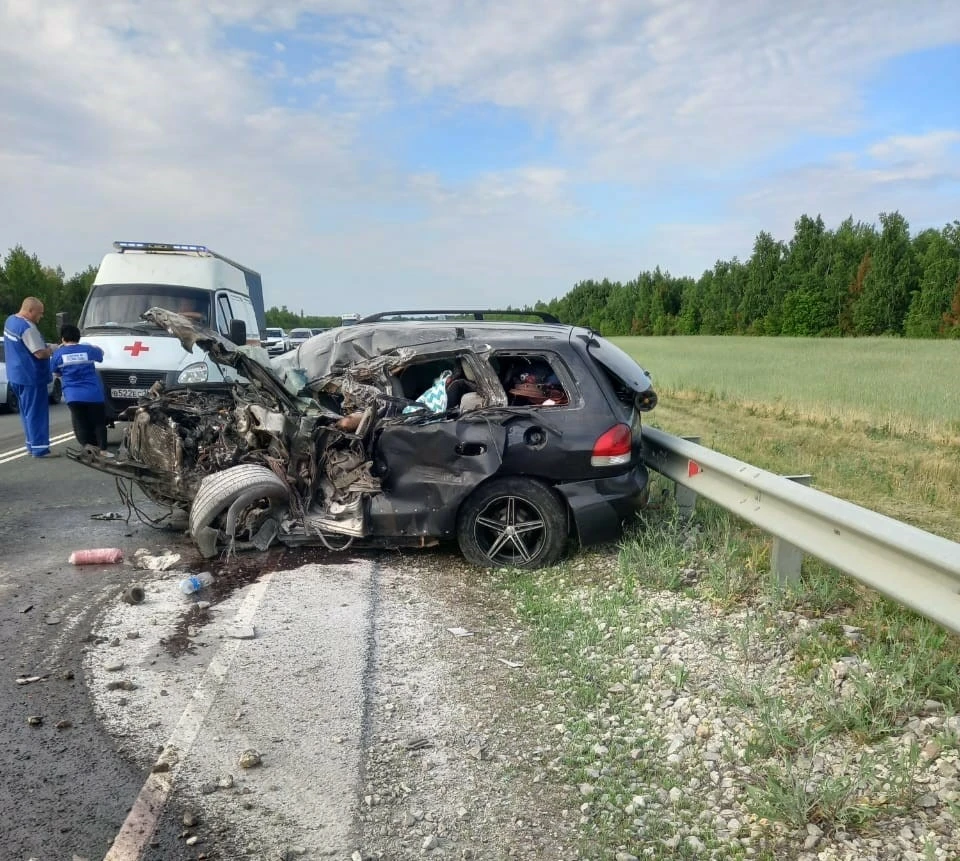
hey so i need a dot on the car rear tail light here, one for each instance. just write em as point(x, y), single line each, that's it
point(613, 448)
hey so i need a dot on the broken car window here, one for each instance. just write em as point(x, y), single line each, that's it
point(530, 380)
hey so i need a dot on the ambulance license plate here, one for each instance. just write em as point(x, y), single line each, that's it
point(128, 394)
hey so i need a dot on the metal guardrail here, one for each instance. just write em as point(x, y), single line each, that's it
point(913, 567)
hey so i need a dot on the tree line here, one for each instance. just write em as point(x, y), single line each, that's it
point(857, 279)
point(23, 275)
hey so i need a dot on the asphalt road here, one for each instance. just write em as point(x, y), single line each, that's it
point(79, 758)
point(64, 792)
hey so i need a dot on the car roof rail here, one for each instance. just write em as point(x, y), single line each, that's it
point(459, 313)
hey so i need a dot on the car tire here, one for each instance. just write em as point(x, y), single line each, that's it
point(246, 485)
point(13, 404)
point(513, 522)
point(56, 395)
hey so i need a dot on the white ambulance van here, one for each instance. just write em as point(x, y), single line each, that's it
point(190, 279)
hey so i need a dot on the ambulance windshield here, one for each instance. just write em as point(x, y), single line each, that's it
point(120, 305)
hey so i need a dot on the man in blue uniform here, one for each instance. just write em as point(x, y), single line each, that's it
point(28, 371)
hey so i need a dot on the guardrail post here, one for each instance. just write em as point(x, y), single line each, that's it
point(685, 498)
point(785, 558)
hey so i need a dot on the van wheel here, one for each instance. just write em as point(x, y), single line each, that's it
point(512, 522)
point(56, 393)
point(236, 502)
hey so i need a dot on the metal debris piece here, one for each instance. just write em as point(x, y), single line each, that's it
point(107, 515)
point(418, 743)
point(34, 720)
point(460, 632)
point(163, 561)
point(29, 680)
point(242, 632)
point(512, 664)
point(134, 595)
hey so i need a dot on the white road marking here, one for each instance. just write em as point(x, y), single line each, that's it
point(17, 453)
point(142, 819)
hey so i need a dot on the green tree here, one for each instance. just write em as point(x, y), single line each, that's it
point(762, 268)
point(939, 262)
point(893, 277)
point(805, 306)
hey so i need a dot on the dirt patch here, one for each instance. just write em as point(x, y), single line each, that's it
point(458, 762)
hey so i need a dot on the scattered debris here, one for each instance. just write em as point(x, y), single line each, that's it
point(249, 758)
point(477, 751)
point(107, 515)
point(418, 743)
point(512, 664)
point(134, 595)
point(27, 609)
point(96, 556)
point(29, 680)
point(114, 666)
point(242, 632)
point(34, 720)
point(64, 724)
point(460, 632)
point(190, 819)
point(160, 767)
point(121, 685)
point(133, 635)
point(163, 561)
point(53, 619)
point(225, 782)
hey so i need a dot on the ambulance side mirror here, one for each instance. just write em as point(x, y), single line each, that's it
point(238, 332)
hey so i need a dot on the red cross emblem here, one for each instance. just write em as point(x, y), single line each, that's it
point(136, 348)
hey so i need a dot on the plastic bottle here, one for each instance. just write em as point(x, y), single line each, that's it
point(195, 582)
point(97, 556)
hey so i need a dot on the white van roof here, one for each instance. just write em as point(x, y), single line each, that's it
point(180, 265)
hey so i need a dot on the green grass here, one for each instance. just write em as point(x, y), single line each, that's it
point(874, 421)
point(889, 384)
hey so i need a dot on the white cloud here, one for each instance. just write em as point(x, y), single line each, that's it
point(136, 119)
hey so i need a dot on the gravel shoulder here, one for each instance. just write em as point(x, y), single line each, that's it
point(408, 706)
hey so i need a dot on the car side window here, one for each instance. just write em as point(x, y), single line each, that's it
point(532, 379)
point(243, 309)
point(224, 314)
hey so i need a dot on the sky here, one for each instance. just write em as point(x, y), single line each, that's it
point(368, 155)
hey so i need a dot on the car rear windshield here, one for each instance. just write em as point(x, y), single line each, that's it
point(626, 376)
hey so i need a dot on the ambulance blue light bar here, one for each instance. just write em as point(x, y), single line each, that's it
point(160, 246)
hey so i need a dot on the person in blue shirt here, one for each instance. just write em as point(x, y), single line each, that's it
point(28, 371)
point(74, 362)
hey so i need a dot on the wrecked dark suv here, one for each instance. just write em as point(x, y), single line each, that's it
point(512, 438)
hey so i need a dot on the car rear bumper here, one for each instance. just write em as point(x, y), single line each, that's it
point(601, 506)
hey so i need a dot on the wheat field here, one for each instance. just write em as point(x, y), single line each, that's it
point(873, 420)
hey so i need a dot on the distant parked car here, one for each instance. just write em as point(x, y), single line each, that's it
point(298, 336)
point(275, 342)
point(320, 331)
point(8, 398)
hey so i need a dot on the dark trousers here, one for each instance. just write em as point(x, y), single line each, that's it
point(89, 423)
